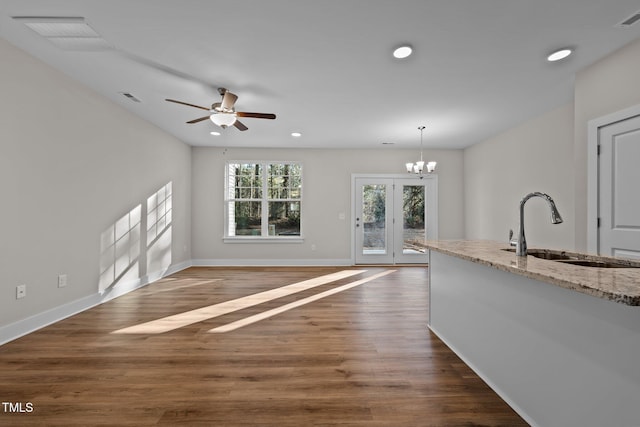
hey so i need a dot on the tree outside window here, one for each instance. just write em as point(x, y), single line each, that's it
point(263, 199)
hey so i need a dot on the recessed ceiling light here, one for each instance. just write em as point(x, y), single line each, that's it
point(559, 54)
point(402, 51)
point(214, 133)
point(296, 134)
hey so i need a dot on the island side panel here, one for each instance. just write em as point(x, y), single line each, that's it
point(558, 357)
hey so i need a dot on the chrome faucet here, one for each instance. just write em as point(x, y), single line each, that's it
point(521, 242)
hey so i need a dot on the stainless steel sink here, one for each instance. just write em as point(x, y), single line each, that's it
point(599, 264)
point(549, 254)
point(579, 259)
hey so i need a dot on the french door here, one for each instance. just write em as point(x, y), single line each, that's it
point(393, 217)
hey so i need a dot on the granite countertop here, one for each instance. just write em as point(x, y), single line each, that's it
point(621, 285)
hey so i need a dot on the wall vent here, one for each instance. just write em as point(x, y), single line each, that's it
point(630, 20)
point(68, 33)
point(58, 26)
point(130, 96)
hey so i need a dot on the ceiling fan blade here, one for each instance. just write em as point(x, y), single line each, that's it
point(228, 101)
point(240, 125)
point(187, 104)
point(197, 120)
point(256, 115)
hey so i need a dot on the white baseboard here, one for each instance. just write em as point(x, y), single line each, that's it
point(23, 327)
point(229, 262)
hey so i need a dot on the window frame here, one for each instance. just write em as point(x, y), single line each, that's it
point(264, 237)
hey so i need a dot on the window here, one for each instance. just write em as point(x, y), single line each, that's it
point(263, 200)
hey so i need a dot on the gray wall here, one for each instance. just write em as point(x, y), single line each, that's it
point(327, 192)
point(72, 166)
point(608, 86)
point(535, 156)
point(547, 153)
point(75, 167)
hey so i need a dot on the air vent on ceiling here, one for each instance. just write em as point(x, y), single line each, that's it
point(66, 32)
point(130, 96)
point(630, 20)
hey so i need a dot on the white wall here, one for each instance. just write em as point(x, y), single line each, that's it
point(72, 166)
point(535, 156)
point(608, 86)
point(327, 192)
point(547, 153)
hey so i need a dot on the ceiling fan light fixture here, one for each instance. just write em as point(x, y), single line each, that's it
point(223, 113)
point(223, 119)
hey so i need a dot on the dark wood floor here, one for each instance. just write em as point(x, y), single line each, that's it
point(361, 357)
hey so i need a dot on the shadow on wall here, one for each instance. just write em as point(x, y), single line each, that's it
point(137, 244)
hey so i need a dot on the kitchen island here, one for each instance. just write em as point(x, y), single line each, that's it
point(559, 342)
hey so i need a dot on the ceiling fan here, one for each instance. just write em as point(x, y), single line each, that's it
point(223, 113)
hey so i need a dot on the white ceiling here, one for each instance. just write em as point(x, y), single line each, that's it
point(325, 67)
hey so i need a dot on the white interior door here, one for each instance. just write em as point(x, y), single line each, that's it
point(393, 216)
point(618, 195)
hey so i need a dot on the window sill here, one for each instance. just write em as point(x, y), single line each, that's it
point(265, 239)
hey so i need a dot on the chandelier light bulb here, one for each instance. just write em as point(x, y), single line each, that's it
point(419, 166)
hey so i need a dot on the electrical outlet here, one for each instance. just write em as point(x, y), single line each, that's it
point(62, 280)
point(21, 291)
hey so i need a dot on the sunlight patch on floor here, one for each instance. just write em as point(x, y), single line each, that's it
point(169, 287)
point(180, 320)
point(270, 313)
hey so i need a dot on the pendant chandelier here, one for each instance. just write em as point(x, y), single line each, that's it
point(419, 167)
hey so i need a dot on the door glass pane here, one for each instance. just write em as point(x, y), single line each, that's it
point(413, 229)
point(374, 219)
